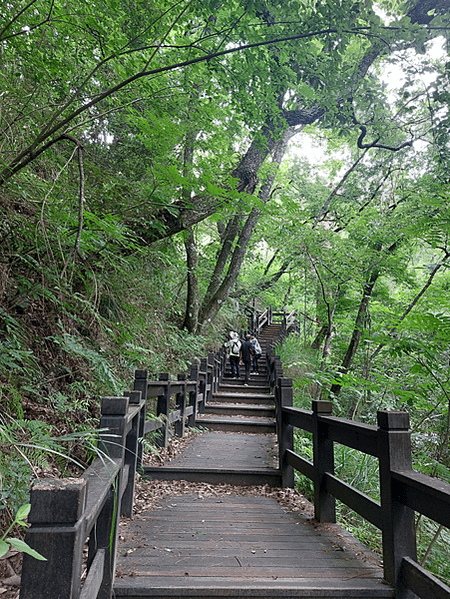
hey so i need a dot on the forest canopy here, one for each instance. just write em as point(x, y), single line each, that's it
point(157, 179)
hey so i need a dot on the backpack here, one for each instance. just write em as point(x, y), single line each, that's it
point(235, 348)
point(256, 347)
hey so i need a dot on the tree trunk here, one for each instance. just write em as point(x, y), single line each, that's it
point(318, 340)
point(214, 301)
point(192, 300)
point(223, 255)
point(357, 330)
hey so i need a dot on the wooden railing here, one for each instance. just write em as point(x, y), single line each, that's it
point(65, 514)
point(68, 515)
point(260, 320)
point(402, 490)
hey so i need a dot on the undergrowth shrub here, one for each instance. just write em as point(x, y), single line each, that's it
point(361, 470)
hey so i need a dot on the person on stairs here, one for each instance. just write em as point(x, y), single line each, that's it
point(234, 352)
point(256, 352)
point(247, 355)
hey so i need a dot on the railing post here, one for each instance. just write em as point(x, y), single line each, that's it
point(223, 362)
point(131, 455)
point(163, 411)
point(209, 377)
point(203, 383)
point(215, 373)
point(284, 398)
point(399, 538)
point(140, 384)
point(276, 371)
point(324, 503)
point(56, 533)
point(193, 394)
point(181, 405)
point(114, 410)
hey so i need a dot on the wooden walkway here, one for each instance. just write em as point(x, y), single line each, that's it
point(231, 545)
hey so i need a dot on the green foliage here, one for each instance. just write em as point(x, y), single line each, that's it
point(99, 363)
point(5, 541)
point(27, 447)
point(107, 142)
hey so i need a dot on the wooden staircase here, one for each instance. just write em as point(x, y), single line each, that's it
point(233, 408)
point(236, 545)
point(239, 408)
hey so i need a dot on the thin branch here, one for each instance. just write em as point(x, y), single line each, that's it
point(19, 14)
point(76, 247)
point(30, 153)
point(409, 308)
point(375, 143)
point(325, 207)
point(172, 25)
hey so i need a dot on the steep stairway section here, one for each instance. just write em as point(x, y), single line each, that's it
point(239, 408)
point(240, 445)
point(243, 408)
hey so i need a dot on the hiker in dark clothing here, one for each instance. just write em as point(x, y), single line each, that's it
point(247, 354)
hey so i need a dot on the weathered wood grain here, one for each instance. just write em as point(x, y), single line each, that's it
point(212, 544)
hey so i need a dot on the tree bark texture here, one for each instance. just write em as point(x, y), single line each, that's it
point(214, 301)
point(192, 299)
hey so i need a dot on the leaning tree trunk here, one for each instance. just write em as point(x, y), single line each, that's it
point(212, 303)
point(357, 330)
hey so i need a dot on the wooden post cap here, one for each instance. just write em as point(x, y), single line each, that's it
point(322, 407)
point(55, 501)
point(390, 420)
point(134, 396)
point(140, 374)
point(114, 406)
point(282, 382)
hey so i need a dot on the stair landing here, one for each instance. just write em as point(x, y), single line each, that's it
point(233, 546)
point(220, 457)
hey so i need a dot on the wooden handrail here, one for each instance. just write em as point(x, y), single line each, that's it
point(402, 490)
point(65, 513)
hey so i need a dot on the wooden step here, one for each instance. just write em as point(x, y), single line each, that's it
point(236, 424)
point(217, 457)
point(216, 476)
point(231, 547)
point(239, 397)
point(259, 384)
point(234, 409)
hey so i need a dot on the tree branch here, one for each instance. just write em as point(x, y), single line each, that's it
point(76, 248)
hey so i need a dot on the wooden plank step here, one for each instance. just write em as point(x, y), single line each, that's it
point(235, 409)
point(236, 424)
point(255, 381)
point(250, 389)
point(239, 397)
point(232, 546)
point(216, 476)
point(229, 451)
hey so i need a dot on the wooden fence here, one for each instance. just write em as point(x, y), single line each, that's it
point(402, 490)
point(258, 321)
point(67, 516)
point(71, 515)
